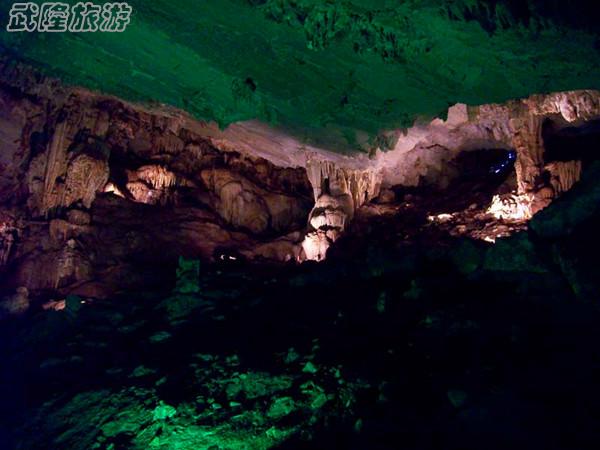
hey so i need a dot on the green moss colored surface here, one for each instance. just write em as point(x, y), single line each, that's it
point(325, 69)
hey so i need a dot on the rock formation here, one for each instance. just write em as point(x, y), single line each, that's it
point(93, 189)
point(424, 152)
point(338, 192)
point(96, 187)
point(563, 175)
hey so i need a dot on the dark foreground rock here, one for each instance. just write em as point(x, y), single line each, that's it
point(466, 345)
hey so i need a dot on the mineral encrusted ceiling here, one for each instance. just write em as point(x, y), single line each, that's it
point(333, 73)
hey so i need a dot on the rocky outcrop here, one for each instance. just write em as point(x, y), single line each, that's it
point(244, 204)
point(563, 175)
point(424, 153)
point(100, 192)
point(98, 187)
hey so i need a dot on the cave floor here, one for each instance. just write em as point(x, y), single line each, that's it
point(400, 339)
point(359, 355)
point(431, 217)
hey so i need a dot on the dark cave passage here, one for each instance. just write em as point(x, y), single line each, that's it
point(572, 142)
point(483, 173)
point(485, 166)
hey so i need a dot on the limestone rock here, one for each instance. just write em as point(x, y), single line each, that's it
point(331, 212)
point(511, 207)
point(285, 249)
point(564, 174)
point(570, 105)
point(328, 178)
point(86, 176)
point(101, 184)
point(78, 217)
point(243, 204)
point(315, 245)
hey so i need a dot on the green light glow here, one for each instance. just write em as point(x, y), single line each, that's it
point(324, 69)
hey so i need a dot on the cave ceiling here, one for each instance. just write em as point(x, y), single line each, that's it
point(333, 73)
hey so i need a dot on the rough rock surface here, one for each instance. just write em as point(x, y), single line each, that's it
point(99, 188)
point(358, 66)
point(98, 193)
point(425, 153)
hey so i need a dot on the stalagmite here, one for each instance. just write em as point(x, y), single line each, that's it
point(316, 244)
point(339, 192)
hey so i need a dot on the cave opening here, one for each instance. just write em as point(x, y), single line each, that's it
point(480, 174)
point(571, 143)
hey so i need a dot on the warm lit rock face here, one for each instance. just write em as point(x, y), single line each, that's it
point(94, 190)
point(425, 153)
point(95, 193)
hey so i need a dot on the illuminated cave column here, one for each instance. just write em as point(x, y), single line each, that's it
point(338, 192)
point(539, 182)
point(528, 143)
point(533, 193)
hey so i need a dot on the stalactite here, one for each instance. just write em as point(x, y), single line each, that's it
point(56, 167)
point(563, 175)
point(157, 176)
point(326, 177)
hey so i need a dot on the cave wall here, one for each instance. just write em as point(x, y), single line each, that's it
point(423, 152)
point(94, 189)
point(96, 193)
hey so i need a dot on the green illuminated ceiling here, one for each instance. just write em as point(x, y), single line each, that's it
point(325, 68)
